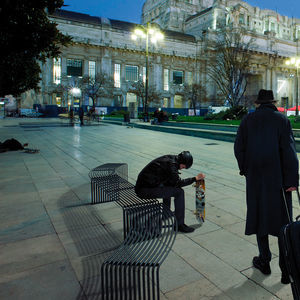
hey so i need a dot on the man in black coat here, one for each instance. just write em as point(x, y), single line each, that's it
point(160, 179)
point(266, 155)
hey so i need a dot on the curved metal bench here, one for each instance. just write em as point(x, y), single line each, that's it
point(132, 271)
point(109, 183)
point(107, 177)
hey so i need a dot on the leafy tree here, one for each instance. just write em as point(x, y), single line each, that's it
point(228, 60)
point(138, 88)
point(101, 85)
point(194, 92)
point(27, 38)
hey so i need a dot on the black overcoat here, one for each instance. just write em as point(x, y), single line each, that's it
point(266, 155)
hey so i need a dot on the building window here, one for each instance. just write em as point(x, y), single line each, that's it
point(166, 102)
point(242, 19)
point(117, 76)
point(92, 69)
point(272, 26)
point(266, 25)
point(177, 77)
point(178, 101)
point(131, 73)
point(57, 70)
point(58, 101)
point(166, 79)
point(74, 67)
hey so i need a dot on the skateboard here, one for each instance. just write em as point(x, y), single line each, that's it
point(200, 201)
point(29, 150)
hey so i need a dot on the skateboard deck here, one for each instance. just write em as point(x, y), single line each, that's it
point(30, 150)
point(200, 201)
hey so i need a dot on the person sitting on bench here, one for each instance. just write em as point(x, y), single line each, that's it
point(160, 179)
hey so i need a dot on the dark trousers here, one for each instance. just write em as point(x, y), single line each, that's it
point(81, 120)
point(166, 192)
point(265, 253)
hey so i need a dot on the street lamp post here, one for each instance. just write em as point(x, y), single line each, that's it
point(295, 62)
point(155, 35)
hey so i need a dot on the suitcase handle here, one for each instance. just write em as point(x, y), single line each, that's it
point(286, 206)
point(298, 196)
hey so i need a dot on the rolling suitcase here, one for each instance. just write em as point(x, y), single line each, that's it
point(289, 239)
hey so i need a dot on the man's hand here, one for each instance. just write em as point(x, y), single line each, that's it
point(290, 189)
point(200, 176)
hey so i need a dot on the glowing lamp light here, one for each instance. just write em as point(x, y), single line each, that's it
point(159, 36)
point(153, 40)
point(76, 92)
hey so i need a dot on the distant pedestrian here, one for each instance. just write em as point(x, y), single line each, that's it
point(71, 116)
point(266, 155)
point(81, 115)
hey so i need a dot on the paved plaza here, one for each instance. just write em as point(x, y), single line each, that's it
point(52, 241)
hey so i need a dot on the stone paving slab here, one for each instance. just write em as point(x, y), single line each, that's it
point(53, 241)
point(51, 281)
point(16, 257)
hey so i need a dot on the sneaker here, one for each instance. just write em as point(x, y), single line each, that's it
point(184, 228)
point(285, 279)
point(264, 267)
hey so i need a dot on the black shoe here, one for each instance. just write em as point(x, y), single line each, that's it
point(184, 228)
point(285, 279)
point(264, 267)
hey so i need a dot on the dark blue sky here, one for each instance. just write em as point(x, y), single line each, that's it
point(130, 10)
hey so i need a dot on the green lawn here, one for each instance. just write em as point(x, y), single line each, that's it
point(295, 125)
point(202, 120)
point(198, 119)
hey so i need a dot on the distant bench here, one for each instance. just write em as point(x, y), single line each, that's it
point(149, 227)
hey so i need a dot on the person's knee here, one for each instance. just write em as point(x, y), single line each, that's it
point(179, 192)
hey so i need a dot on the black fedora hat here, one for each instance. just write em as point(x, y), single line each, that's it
point(265, 96)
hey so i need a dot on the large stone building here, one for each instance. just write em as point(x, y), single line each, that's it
point(104, 45)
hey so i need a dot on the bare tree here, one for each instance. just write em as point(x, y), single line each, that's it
point(101, 85)
point(138, 87)
point(63, 89)
point(228, 61)
point(194, 92)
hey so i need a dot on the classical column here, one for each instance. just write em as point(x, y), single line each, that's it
point(268, 79)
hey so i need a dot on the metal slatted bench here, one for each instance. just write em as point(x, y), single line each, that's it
point(107, 177)
point(132, 271)
point(109, 183)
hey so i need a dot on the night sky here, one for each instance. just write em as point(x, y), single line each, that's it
point(131, 10)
